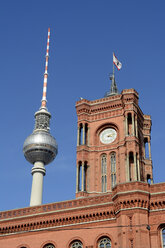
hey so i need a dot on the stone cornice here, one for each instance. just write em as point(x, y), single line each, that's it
point(35, 229)
point(130, 192)
point(64, 205)
point(68, 219)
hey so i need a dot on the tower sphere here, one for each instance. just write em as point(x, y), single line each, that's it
point(40, 146)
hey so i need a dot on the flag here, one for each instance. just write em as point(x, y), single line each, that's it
point(117, 62)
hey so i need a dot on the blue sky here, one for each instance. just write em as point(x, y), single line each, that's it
point(83, 36)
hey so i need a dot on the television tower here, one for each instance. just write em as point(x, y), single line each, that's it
point(40, 148)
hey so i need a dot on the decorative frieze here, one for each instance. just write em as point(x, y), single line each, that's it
point(57, 222)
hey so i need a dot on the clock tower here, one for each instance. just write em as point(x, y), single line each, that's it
point(113, 142)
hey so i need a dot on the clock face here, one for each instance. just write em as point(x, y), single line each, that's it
point(108, 135)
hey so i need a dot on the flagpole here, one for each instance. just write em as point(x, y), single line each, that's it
point(113, 75)
point(113, 67)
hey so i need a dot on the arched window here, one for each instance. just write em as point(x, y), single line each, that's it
point(86, 134)
point(104, 172)
point(104, 243)
point(76, 244)
point(49, 246)
point(113, 169)
point(81, 134)
point(163, 238)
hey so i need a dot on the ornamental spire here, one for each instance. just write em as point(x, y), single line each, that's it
point(46, 74)
point(113, 89)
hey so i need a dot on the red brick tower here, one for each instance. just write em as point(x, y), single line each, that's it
point(113, 142)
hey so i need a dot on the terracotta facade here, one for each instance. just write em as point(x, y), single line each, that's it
point(119, 203)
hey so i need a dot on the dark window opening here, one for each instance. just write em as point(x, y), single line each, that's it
point(131, 166)
point(146, 147)
point(81, 134)
point(129, 123)
point(148, 178)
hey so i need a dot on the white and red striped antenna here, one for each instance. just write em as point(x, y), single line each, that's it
point(46, 73)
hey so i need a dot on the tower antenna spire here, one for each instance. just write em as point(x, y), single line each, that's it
point(43, 105)
point(40, 148)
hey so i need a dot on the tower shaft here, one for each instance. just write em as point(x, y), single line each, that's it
point(38, 172)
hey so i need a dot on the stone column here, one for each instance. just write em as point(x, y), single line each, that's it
point(77, 178)
point(126, 125)
point(127, 168)
point(83, 143)
point(133, 124)
point(138, 169)
point(135, 168)
point(136, 126)
point(144, 150)
point(88, 136)
point(38, 172)
point(78, 136)
point(82, 182)
point(85, 177)
point(149, 148)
